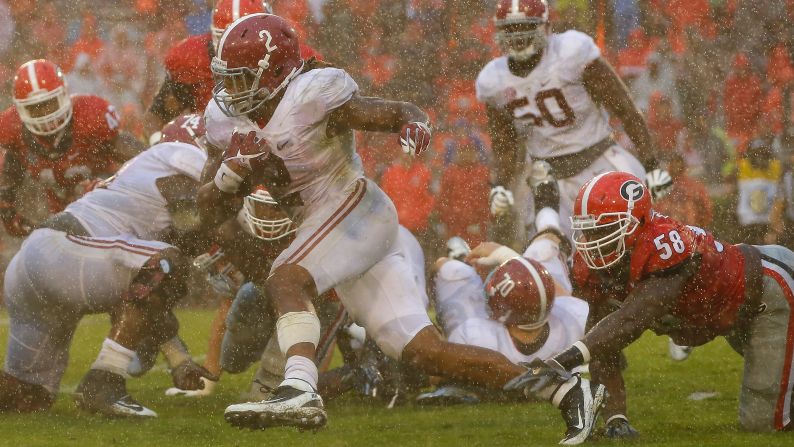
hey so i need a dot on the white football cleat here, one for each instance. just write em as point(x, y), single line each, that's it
point(677, 352)
point(580, 407)
point(289, 407)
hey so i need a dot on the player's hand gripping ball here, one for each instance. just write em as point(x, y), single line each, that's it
point(245, 154)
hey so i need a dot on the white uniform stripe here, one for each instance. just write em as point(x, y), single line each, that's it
point(230, 28)
point(235, 9)
point(790, 283)
point(586, 195)
point(34, 81)
point(539, 284)
point(514, 7)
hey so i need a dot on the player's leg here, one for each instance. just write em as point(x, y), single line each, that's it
point(143, 310)
point(41, 327)
point(339, 240)
point(768, 349)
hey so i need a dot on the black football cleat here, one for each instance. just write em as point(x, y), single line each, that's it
point(580, 407)
point(106, 393)
point(289, 407)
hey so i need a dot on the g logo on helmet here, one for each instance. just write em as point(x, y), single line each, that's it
point(632, 190)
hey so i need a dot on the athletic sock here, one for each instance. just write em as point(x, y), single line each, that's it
point(301, 373)
point(113, 358)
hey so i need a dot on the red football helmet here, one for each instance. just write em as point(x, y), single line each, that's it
point(521, 293)
point(264, 217)
point(257, 57)
point(185, 129)
point(606, 216)
point(41, 97)
point(227, 11)
point(522, 27)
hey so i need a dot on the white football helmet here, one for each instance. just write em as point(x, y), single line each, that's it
point(265, 219)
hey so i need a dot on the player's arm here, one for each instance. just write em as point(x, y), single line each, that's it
point(504, 143)
point(606, 88)
point(218, 199)
point(125, 146)
point(11, 177)
point(188, 232)
point(169, 102)
point(383, 115)
point(605, 369)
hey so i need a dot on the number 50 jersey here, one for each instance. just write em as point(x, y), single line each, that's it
point(552, 112)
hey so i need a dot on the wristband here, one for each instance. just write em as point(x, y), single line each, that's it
point(175, 352)
point(571, 357)
point(227, 180)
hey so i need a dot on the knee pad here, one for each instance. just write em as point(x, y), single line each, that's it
point(297, 327)
point(162, 280)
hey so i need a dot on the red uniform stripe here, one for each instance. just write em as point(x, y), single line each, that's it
point(784, 382)
point(109, 245)
point(349, 204)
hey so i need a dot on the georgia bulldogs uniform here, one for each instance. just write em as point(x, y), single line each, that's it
point(664, 246)
point(642, 270)
point(82, 153)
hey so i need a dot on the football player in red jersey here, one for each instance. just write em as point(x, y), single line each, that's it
point(188, 83)
point(60, 140)
point(641, 270)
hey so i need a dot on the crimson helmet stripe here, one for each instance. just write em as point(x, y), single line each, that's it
point(539, 283)
point(586, 195)
point(34, 80)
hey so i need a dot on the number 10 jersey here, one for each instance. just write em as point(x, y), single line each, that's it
point(552, 112)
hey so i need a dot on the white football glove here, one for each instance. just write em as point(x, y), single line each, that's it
point(501, 201)
point(209, 387)
point(659, 183)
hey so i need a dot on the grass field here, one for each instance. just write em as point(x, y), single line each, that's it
point(658, 404)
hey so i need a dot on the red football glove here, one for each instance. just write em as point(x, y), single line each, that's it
point(245, 154)
point(18, 225)
point(415, 137)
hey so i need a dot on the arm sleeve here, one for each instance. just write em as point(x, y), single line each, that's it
point(325, 90)
point(577, 50)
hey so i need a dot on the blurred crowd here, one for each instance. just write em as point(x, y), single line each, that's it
point(714, 79)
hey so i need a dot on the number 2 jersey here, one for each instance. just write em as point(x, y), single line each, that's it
point(308, 165)
point(552, 111)
point(716, 286)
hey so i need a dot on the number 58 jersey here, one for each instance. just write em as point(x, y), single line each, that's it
point(552, 112)
point(716, 286)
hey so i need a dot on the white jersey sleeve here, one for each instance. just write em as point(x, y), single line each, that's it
point(576, 51)
point(324, 91)
point(489, 84)
point(460, 295)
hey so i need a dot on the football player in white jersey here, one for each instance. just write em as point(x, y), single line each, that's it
point(291, 126)
point(104, 254)
point(523, 309)
point(550, 97)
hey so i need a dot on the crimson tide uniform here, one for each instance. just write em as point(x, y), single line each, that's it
point(83, 152)
point(721, 297)
point(188, 75)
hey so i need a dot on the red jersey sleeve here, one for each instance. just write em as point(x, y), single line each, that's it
point(95, 120)
point(188, 62)
point(10, 129)
point(664, 247)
